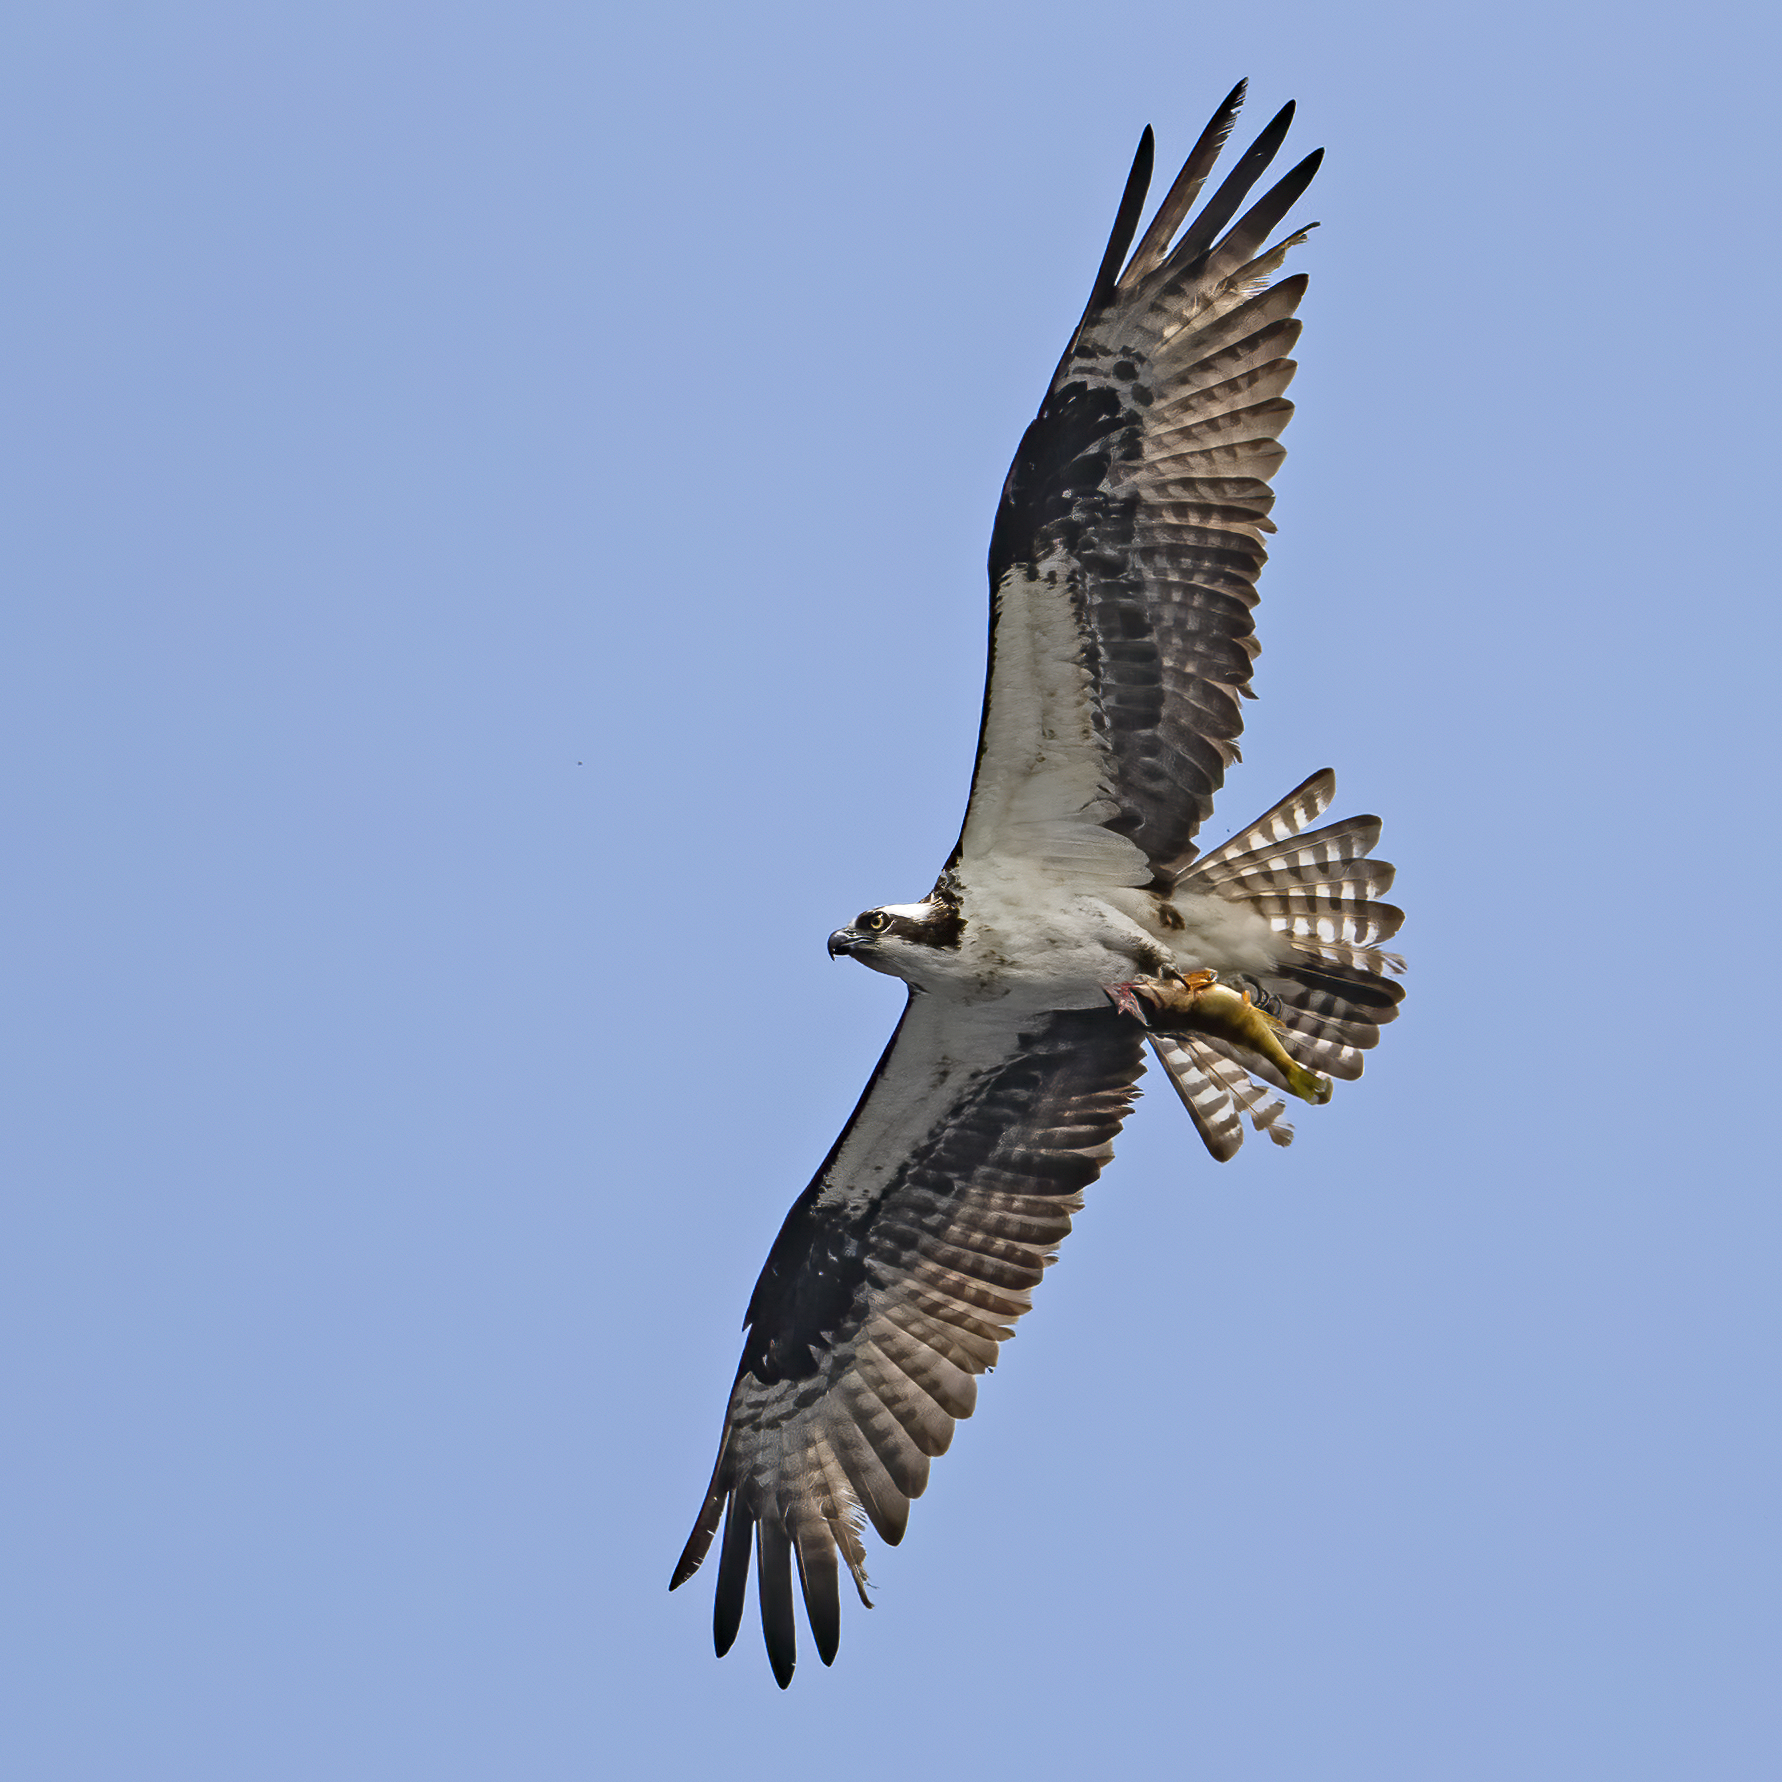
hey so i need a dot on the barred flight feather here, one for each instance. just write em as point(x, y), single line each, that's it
point(1256, 384)
point(1349, 993)
point(873, 1488)
point(1361, 926)
point(928, 1273)
point(953, 1341)
point(928, 1427)
point(1011, 1277)
point(1243, 491)
point(1252, 1062)
point(1369, 960)
point(1362, 923)
point(1206, 1097)
point(898, 1451)
point(1364, 1035)
point(952, 1389)
point(1179, 199)
point(1234, 261)
point(1265, 1110)
point(1225, 425)
point(1180, 344)
point(952, 1326)
point(1306, 803)
point(1206, 228)
point(1321, 1053)
point(1334, 845)
point(1216, 1087)
point(842, 1514)
point(921, 1288)
point(1262, 354)
point(1341, 881)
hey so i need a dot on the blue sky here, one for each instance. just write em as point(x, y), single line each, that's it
point(496, 501)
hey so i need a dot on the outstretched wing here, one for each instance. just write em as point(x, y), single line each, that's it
point(1129, 536)
point(893, 1281)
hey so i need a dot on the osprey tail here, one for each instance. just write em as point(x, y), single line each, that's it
point(1332, 993)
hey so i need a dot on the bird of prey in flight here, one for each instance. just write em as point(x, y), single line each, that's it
point(1074, 923)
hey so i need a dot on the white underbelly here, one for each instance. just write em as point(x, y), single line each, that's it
point(1036, 945)
point(1221, 935)
point(1041, 953)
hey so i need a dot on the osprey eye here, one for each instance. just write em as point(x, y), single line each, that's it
point(875, 921)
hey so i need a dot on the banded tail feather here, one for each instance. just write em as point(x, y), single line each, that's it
point(1217, 1091)
point(1332, 989)
point(1306, 803)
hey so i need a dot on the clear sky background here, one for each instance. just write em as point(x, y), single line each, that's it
point(495, 502)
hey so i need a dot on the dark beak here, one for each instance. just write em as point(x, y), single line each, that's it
point(841, 943)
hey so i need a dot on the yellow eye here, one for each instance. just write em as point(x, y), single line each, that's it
point(875, 922)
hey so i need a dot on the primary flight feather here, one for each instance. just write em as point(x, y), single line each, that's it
point(1072, 926)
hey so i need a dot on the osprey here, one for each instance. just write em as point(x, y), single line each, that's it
point(1073, 925)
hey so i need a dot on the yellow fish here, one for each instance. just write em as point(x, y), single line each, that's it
point(1199, 1003)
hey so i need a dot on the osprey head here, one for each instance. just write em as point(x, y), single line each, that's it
point(896, 937)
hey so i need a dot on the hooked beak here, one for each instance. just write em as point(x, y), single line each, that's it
point(843, 941)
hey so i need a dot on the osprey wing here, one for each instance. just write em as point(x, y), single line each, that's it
point(893, 1281)
point(1128, 539)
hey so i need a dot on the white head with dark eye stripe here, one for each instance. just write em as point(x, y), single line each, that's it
point(896, 937)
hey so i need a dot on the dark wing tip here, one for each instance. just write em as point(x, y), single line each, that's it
point(1299, 176)
point(1132, 204)
point(1223, 205)
point(733, 1576)
point(773, 1584)
point(1126, 221)
point(704, 1527)
point(820, 1579)
point(1180, 197)
point(698, 1544)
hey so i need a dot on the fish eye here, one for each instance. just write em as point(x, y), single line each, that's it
point(874, 921)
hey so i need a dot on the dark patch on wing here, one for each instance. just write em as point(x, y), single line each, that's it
point(1054, 489)
point(833, 1393)
point(809, 1293)
point(812, 1272)
point(1144, 482)
point(813, 1275)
